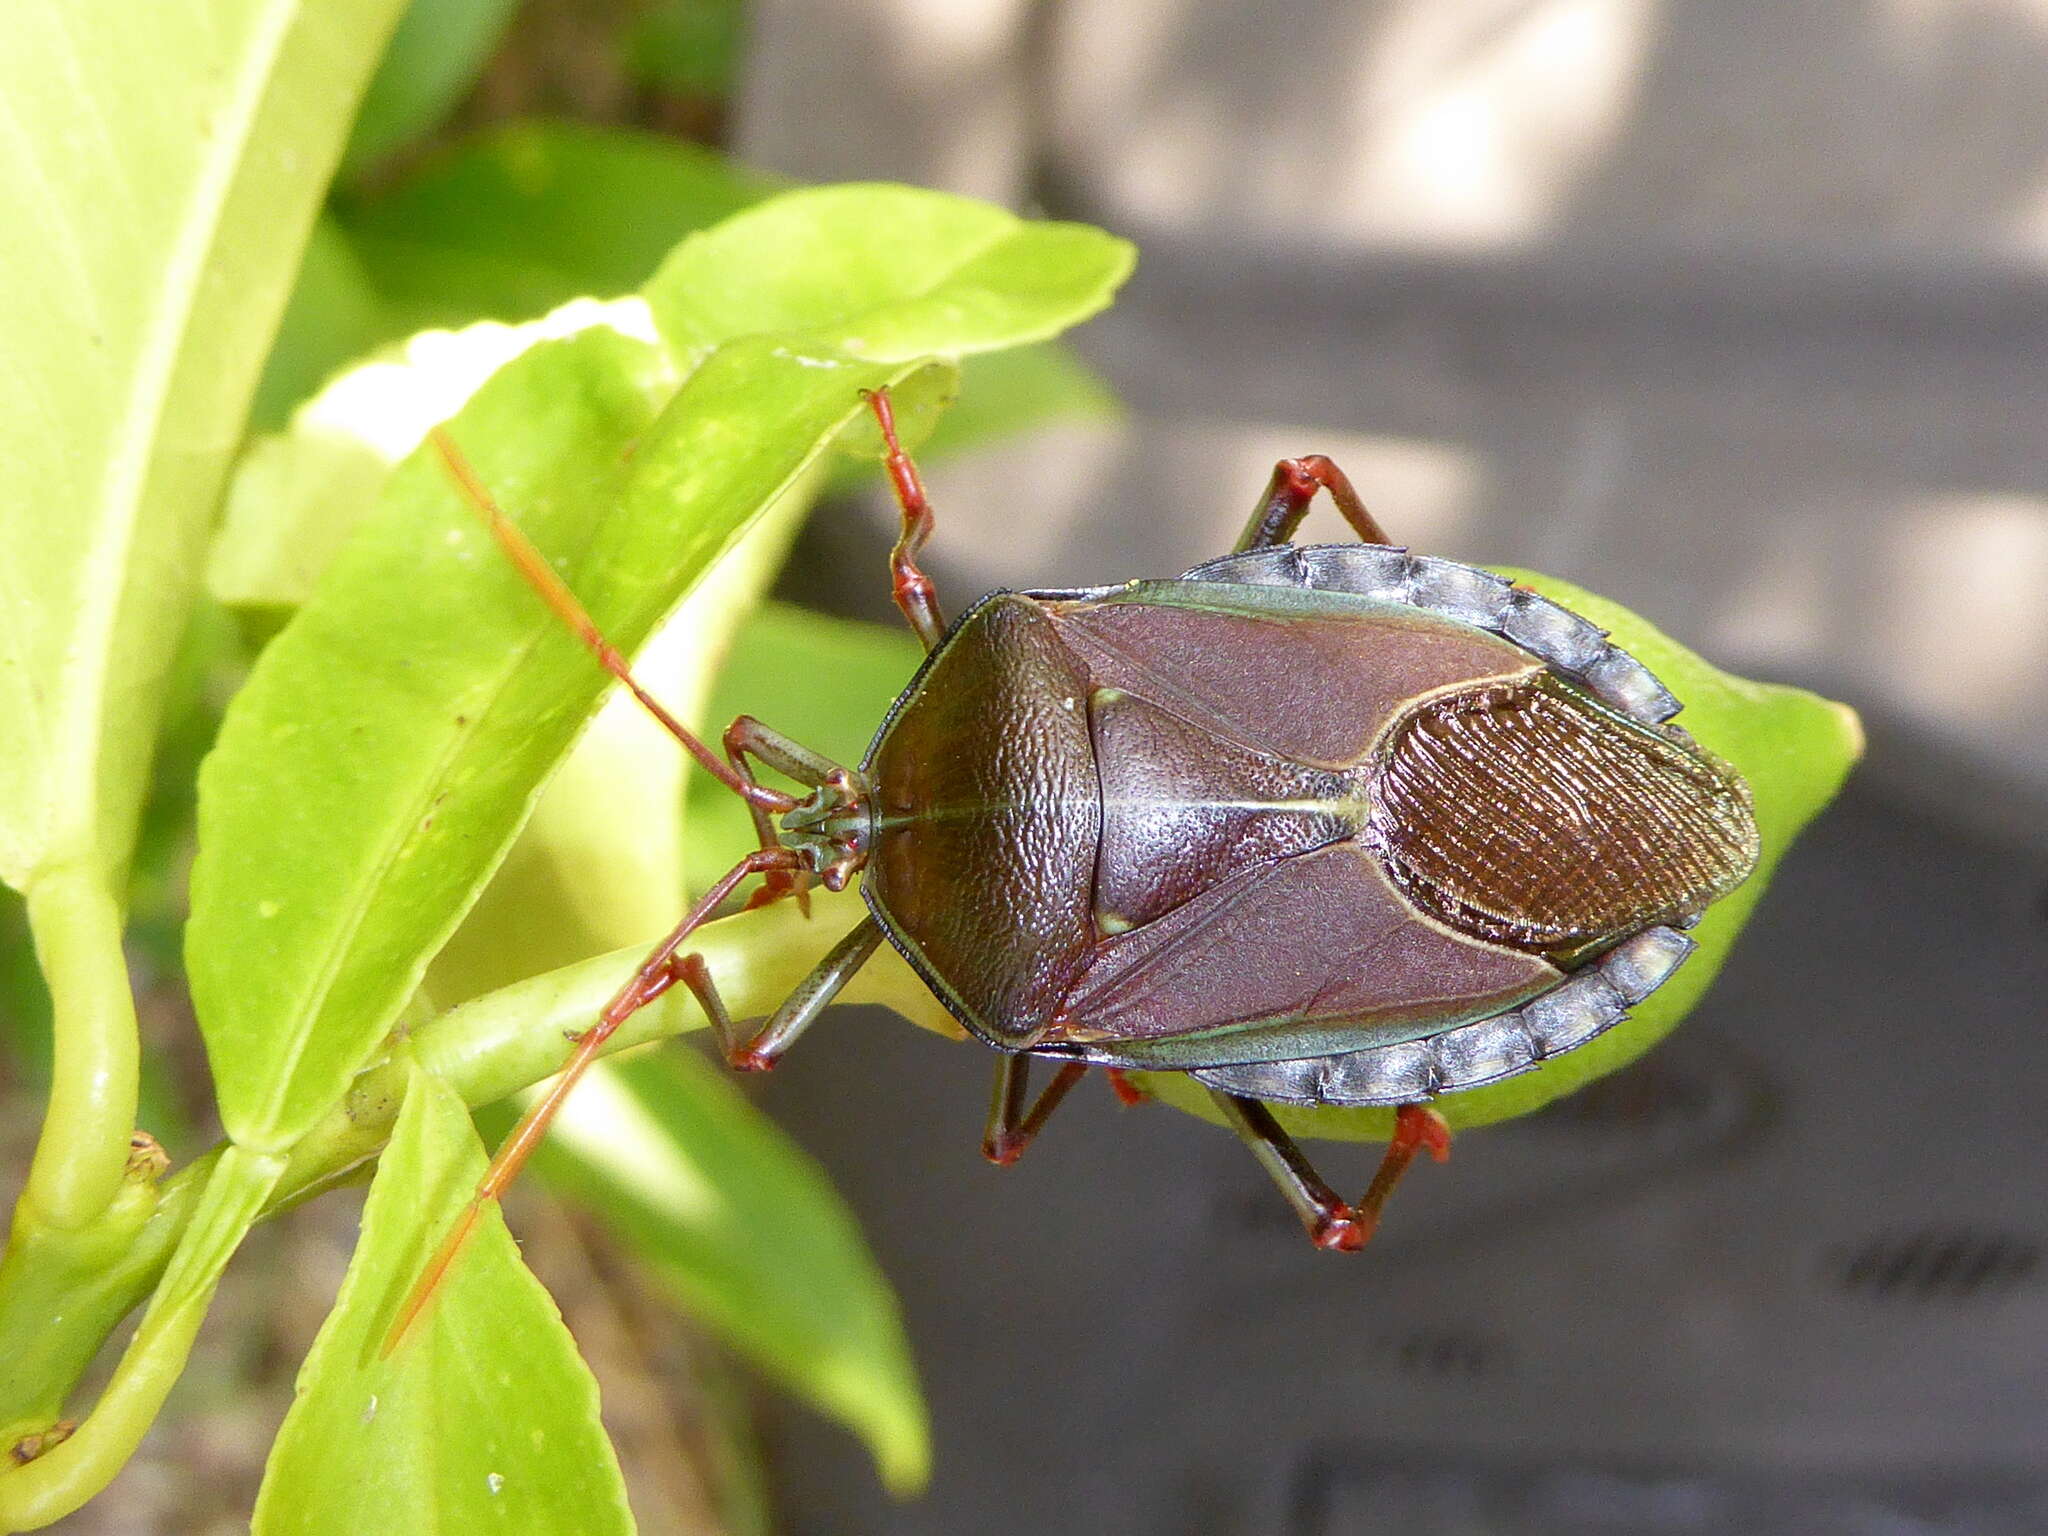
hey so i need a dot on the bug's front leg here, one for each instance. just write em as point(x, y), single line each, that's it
point(654, 976)
point(1294, 485)
point(1330, 1222)
point(914, 592)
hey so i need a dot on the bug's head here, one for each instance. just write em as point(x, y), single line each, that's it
point(832, 828)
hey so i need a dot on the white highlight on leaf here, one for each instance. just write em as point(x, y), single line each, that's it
point(389, 404)
point(297, 493)
point(611, 1129)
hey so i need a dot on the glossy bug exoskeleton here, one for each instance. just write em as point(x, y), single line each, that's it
point(1331, 825)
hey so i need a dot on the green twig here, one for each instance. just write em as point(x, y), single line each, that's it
point(83, 1153)
point(57, 1308)
point(61, 1480)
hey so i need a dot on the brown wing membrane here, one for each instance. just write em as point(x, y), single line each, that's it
point(1298, 946)
point(1316, 689)
point(1530, 815)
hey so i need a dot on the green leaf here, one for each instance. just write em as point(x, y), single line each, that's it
point(748, 1234)
point(528, 215)
point(336, 314)
point(884, 272)
point(484, 1418)
point(297, 495)
point(434, 57)
point(688, 47)
point(1794, 747)
point(391, 740)
point(161, 167)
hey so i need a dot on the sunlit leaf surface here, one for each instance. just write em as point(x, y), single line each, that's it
point(484, 1418)
point(884, 272)
point(748, 1233)
point(147, 264)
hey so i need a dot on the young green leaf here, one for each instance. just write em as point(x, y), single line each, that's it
point(298, 494)
point(749, 1235)
point(484, 1418)
point(390, 741)
point(884, 272)
point(1794, 747)
point(326, 855)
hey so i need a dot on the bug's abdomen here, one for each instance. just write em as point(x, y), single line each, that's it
point(1529, 815)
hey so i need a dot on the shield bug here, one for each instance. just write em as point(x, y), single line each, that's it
point(1325, 825)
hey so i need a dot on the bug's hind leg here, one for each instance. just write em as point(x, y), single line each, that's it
point(1416, 1126)
point(914, 592)
point(1012, 1127)
point(1294, 485)
point(1330, 1222)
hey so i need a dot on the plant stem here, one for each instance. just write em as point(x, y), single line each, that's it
point(59, 1481)
point(58, 1305)
point(81, 1159)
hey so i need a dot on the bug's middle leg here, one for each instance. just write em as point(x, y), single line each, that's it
point(1330, 1222)
point(1293, 486)
point(763, 1048)
point(1012, 1127)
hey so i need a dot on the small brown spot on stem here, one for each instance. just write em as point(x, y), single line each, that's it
point(147, 1160)
point(29, 1447)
